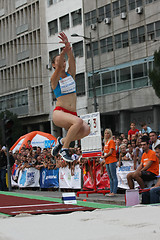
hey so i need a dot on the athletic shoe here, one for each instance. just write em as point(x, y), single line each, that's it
point(65, 155)
point(55, 150)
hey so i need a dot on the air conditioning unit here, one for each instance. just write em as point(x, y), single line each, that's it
point(107, 20)
point(139, 10)
point(93, 26)
point(123, 15)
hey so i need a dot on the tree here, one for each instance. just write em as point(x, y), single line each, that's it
point(17, 130)
point(155, 73)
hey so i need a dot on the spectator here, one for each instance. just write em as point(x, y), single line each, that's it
point(29, 146)
point(148, 169)
point(132, 131)
point(145, 129)
point(122, 136)
point(133, 144)
point(3, 166)
point(153, 196)
point(118, 143)
point(125, 156)
point(125, 141)
point(137, 154)
point(38, 152)
point(87, 167)
point(111, 161)
point(154, 139)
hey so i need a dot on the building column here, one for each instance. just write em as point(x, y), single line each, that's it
point(156, 118)
point(124, 122)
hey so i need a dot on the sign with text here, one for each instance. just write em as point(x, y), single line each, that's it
point(92, 144)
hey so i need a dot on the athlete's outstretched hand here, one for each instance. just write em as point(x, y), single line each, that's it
point(63, 38)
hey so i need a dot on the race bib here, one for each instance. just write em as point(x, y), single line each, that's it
point(67, 85)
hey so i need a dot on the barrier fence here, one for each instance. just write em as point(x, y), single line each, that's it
point(62, 178)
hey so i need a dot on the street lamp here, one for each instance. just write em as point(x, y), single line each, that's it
point(92, 62)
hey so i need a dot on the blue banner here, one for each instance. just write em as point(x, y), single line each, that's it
point(49, 143)
point(49, 178)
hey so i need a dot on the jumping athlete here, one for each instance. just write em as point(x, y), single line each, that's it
point(65, 115)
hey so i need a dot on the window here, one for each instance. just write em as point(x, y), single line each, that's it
point(137, 71)
point(103, 45)
point(14, 100)
point(116, 8)
point(134, 37)
point(109, 44)
point(80, 84)
point(125, 74)
point(90, 18)
point(106, 45)
point(87, 19)
point(150, 31)
point(93, 16)
point(108, 78)
point(141, 34)
point(132, 4)
point(118, 43)
point(78, 49)
point(108, 10)
point(95, 48)
point(64, 21)
point(101, 13)
point(157, 28)
point(138, 3)
point(53, 53)
point(125, 39)
point(97, 80)
point(53, 27)
point(76, 17)
point(123, 7)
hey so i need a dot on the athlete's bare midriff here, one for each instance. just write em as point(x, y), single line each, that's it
point(67, 101)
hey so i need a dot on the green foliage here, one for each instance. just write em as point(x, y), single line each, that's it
point(155, 73)
point(17, 127)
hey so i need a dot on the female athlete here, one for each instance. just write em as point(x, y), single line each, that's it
point(64, 115)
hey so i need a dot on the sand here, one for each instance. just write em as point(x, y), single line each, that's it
point(139, 223)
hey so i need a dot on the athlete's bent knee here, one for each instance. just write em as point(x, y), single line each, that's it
point(79, 121)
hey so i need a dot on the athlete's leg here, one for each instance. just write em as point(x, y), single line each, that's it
point(77, 128)
point(83, 132)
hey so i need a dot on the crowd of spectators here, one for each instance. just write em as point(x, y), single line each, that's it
point(128, 150)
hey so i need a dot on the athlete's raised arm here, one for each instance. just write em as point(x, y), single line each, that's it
point(68, 50)
point(58, 63)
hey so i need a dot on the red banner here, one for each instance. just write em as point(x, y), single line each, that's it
point(101, 182)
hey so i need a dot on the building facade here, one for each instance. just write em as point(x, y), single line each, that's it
point(125, 34)
point(115, 44)
point(23, 74)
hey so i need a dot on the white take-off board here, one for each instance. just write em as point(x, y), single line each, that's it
point(92, 144)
